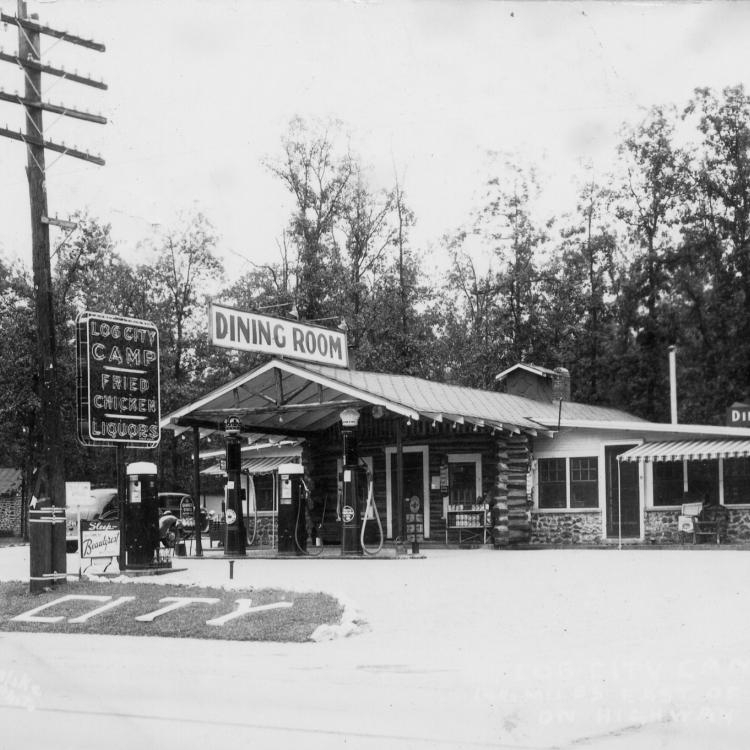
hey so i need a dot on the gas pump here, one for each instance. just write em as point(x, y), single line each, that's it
point(141, 521)
point(292, 517)
point(357, 502)
point(353, 502)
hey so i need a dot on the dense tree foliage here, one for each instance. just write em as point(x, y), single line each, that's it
point(656, 253)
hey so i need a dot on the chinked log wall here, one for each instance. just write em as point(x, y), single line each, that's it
point(505, 464)
point(511, 516)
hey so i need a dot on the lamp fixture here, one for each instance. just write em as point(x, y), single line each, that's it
point(349, 417)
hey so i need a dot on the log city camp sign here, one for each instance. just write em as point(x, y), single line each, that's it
point(281, 337)
point(118, 381)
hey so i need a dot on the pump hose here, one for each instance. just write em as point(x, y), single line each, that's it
point(250, 542)
point(371, 504)
point(296, 525)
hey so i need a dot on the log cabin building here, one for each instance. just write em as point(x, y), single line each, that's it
point(519, 466)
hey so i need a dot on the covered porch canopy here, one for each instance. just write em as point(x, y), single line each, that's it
point(294, 399)
point(687, 450)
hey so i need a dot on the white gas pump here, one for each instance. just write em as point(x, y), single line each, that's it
point(291, 515)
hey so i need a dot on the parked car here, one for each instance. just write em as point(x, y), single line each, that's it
point(181, 505)
point(100, 501)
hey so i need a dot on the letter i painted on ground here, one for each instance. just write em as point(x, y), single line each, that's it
point(178, 602)
point(245, 608)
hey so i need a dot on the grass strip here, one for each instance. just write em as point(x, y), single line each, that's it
point(295, 623)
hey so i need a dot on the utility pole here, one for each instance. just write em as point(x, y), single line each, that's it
point(48, 564)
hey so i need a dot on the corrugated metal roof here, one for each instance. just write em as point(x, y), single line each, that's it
point(10, 480)
point(307, 397)
point(428, 396)
point(692, 450)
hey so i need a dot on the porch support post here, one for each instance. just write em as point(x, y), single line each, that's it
point(399, 484)
point(197, 491)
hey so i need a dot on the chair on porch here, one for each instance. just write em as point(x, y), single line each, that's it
point(702, 521)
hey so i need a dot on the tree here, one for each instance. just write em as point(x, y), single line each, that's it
point(649, 199)
point(185, 268)
point(578, 287)
point(316, 177)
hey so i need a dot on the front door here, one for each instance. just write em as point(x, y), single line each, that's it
point(413, 489)
point(623, 495)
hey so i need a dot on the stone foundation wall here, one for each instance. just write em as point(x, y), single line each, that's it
point(738, 525)
point(661, 526)
point(10, 515)
point(268, 530)
point(566, 528)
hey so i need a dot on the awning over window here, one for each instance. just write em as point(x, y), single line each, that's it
point(692, 450)
point(255, 465)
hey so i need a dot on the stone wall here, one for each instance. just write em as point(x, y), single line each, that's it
point(660, 527)
point(10, 515)
point(566, 528)
point(268, 531)
point(738, 525)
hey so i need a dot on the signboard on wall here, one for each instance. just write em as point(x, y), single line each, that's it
point(118, 381)
point(738, 415)
point(281, 337)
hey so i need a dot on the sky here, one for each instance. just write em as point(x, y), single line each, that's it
point(200, 94)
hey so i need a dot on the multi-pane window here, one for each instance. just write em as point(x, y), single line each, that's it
point(736, 481)
point(668, 483)
point(568, 482)
point(552, 483)
point(584, 482)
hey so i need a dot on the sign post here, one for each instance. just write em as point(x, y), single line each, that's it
point(118, 381)
point(118, 391)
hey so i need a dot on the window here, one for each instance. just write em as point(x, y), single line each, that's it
point(668, 483)
point(703, 480)
point(584, 482)
point(568, 482)
point(462, 481)
point(264, 491)
point(552, 483)
point(736, 481)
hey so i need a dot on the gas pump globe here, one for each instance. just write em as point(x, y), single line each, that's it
point(351, 507)
point(234, 543)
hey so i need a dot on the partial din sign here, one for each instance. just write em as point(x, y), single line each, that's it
point(118, 381)
point(280, 337)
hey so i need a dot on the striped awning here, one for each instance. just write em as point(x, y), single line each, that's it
point(255, 465)
point(690, 450)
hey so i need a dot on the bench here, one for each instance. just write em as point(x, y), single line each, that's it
point(702, 522)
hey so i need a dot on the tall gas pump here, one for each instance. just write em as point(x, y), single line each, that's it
point(352, 481)
point(234, 543)
point(292, 516)
point(141, 522)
